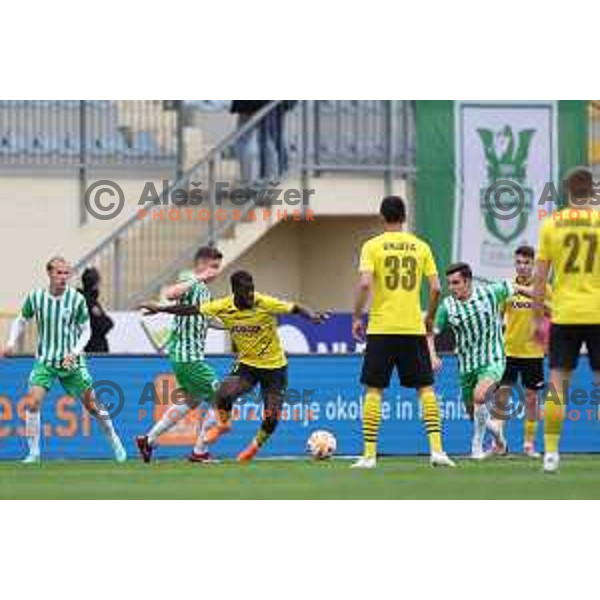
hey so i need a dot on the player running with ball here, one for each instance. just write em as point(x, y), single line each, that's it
point(63, 325)
point(251, 319)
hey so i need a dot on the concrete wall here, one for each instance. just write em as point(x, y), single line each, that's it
point(314, 263)
point(40, 218)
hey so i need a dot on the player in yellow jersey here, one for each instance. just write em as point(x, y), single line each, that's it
point(524, 355)
point(569, 243)
point(251, 319)
point(392, 266)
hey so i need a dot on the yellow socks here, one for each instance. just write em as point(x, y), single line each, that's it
point(530, 430)
point(431, 417)
point(553, 419)
point(371, 421)
point(261, 437)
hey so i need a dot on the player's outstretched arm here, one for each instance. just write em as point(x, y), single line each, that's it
point(309, 315)
point(183, 310)
point(177, 290)
point(217, 324)
point(16, 329)
point(525, 290)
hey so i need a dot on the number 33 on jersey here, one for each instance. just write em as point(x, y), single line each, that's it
point(398, 261)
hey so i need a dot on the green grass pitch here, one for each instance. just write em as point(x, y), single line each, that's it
point(395, 478)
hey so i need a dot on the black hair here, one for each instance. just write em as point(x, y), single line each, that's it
point(460, 267)
point(90, 278)
point(241, 278)
point(393, 209)
point(580, 182)
point(526, 251)
point(208, 253)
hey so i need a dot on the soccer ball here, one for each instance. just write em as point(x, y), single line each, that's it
point(321, 444)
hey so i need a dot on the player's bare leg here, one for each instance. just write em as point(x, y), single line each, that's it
point(531, 419)
point(33, 425)
point(102, 417)
point(230, 389)
point(272, 410)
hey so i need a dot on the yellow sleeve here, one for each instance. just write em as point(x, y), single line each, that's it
point(367, 261)
point(274, 305)
point(429, 266)
point(544, 251)
point(212, 308)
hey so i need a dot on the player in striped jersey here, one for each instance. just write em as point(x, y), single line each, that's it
point(473, 314)
point(63, 325)
point(185, 347)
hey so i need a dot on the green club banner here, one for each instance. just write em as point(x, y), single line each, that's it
point(482, 168)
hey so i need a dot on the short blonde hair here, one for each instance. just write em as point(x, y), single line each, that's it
point(52, 262)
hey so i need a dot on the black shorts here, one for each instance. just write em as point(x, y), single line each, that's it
point(531, 371)
point(409, 354)
point(272, 381)
point(566, 342)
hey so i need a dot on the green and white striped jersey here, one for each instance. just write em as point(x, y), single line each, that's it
point(187, 337)
point(59, 320)
point(476, 325)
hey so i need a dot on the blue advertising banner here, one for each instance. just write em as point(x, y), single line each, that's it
point(324, 394)
point(333, 336)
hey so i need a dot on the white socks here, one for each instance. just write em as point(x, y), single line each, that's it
point(209, 420)
point(105, 423)
point(173, 415)
point(32, 431)
point(480, 418)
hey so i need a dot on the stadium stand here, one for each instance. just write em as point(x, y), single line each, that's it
point(342, 150)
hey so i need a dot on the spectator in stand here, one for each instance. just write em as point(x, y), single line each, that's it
point(271, 142)
point(246, 148)
point(272, 152)
point(100, 322)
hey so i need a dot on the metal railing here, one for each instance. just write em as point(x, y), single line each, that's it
point(93, 132)
point(304, 138)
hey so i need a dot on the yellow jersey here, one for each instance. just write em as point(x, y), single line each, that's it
point(518, 317)
point(398, 261)
point(572, 245)
point(253, 331)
